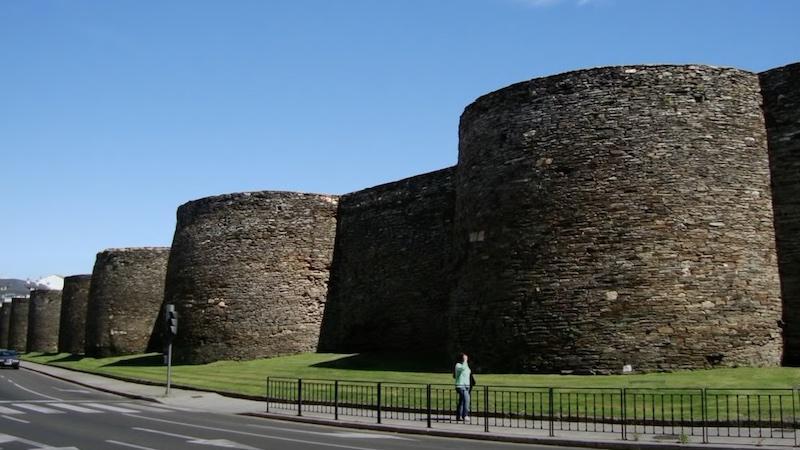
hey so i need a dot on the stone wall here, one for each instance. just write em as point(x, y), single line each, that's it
point(44, 313)
point(619, 215)
point(5, 323)
point(125, 298)
point(248, 274)
point(390, 276)
point(74, 301)
point(18, 330)
point(780, 89)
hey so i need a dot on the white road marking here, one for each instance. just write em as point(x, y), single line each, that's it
point(75, 408)
point(193, 440)
point(4, 410)
point(78, 391)
point(112, 408)
point(15, 419)
point(10, 438)
point(339, 434)
point(38, 408)
point(34, 392)
point(125, 444)
point(145, 408)
point(244, 433)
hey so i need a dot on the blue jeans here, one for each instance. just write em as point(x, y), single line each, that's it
point(462, 409)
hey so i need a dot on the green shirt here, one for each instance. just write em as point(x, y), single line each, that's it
point(462, 374)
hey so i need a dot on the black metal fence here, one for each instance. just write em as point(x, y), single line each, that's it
point(686, 415)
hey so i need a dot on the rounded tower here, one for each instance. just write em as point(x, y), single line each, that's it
point(74, 301)
point(18, 328)
point(617, 215)
point(44, 312)
point(125, 297)
point(248, 274)
point(5, 323)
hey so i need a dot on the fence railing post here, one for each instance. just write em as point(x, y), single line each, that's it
point(378, 409)
point(486, 409)
point(704, 414)
point(267, 394)
point(794, 415)
point(551, 415)
point(623, 413)
point(428, 404)
point(336, 400)
point(299, 396)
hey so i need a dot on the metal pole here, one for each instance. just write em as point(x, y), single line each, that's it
point(169, 368)
point(428, 395)
point(551, 414)
point(336, 400)
point(299, 396)
point(486, 408)
point(622, 405)
point(267, 394)
point(379, 403)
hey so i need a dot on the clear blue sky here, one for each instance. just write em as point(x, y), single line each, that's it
point(114, 113)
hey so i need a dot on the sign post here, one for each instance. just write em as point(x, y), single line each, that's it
point(170, 331)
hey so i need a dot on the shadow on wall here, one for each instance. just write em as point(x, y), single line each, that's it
point(390, 362)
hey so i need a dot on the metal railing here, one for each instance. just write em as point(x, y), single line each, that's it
point(763, 416)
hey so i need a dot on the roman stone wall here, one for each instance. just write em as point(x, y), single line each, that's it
point(44, 313)
point(780, 89)
point(5, 323)
point(248, 274)
point(125, 297)
point(390, 276)
point(619, 215)
point(74, 302)
point(18, 329)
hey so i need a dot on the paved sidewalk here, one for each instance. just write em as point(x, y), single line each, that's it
point(213, 402)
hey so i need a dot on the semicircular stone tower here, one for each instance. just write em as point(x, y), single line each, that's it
point(125, 298)
point(248, 274)
point(44, 312)
point(18, 329)
point(5, 322)
point(74, 301)
point(618, 215)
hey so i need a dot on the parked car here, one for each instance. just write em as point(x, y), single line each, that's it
point(9, 358)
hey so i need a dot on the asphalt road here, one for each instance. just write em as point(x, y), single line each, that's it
point(37, 411)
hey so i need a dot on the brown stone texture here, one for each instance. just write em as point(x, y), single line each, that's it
point(5, 323)
point(44, 313)
point(619, 215)
point(780, 89)
point(248, 274)
point(390, 277)
point(18, 329)
point(74, 301)
point(125, 298)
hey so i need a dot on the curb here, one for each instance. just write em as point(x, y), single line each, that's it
point(538, 440)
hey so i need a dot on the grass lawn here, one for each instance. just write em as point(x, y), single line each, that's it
point(248, 377)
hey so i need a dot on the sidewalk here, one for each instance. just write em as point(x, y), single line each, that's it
point(213, 402)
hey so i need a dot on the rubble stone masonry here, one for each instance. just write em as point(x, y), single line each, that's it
point(74, 301)
point(780, 89)
point(44, 312)
point(390, 281)
point(612, 216)
point(125, 298)
point(248, 274)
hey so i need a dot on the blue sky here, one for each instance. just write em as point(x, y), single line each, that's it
point(114, 113)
